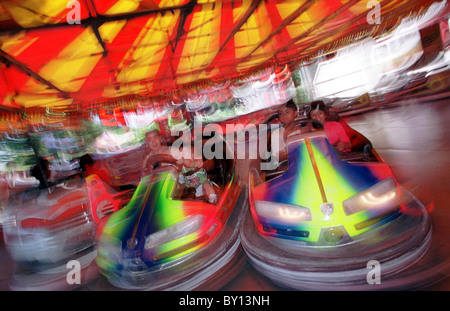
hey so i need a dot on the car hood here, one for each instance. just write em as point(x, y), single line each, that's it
point(340, 179)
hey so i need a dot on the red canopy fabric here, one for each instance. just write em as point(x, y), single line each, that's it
point(63, 54)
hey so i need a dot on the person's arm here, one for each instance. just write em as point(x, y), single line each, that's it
point(344, 143)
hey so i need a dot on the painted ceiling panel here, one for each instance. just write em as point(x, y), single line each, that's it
point(58, 52)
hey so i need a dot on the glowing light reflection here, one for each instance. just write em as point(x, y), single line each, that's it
point(370, 199)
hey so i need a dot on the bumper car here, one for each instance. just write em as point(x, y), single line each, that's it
point(320, 221)
point(116, 156)
point(166, 238)
point(118, 170)
point(61, 150)
point(45, 229)
point(17, 159)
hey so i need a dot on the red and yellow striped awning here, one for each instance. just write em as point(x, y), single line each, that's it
point(60, 53)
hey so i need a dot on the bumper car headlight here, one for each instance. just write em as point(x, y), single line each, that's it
point(382, 196)
point(282, 212)
point(174, 232)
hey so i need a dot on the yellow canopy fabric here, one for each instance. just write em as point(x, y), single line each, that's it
point(57, 53)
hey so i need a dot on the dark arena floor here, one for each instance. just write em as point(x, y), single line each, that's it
point(413, 137)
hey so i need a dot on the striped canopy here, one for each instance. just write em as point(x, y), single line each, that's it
point(63, 54)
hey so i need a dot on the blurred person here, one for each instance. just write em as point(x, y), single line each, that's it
point(193, 170)
point(154, 142)
point(158, 154)
point(358, 142)
point(193, 175)
point(287, 115)
point(335, 132)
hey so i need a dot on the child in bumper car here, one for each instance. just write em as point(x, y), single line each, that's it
point(193, 172)
point(335, 132)
point(158, 156)
point(287, 115)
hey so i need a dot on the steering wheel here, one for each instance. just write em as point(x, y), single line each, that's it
point(166, 162)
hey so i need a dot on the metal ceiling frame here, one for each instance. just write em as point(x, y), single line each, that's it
point(9, 60)
point(375, 29)
point(95, 21)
